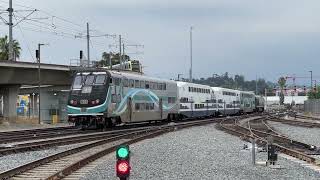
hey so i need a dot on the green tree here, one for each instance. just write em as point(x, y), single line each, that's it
point(314, 94)
point(115, 59)
point(4, 48)
point(282, 82)
point(238, 82)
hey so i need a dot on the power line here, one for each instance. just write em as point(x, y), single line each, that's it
point(28, 45)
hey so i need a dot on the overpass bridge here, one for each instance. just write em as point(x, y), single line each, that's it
point(14, 76)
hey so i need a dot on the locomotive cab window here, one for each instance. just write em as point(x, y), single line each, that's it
point(77, 83)
point(100, 79)
point(89, 80)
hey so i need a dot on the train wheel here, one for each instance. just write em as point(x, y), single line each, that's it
point(77, 123)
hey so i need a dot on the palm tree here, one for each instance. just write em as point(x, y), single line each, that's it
point(4, 48)
point(282, 82)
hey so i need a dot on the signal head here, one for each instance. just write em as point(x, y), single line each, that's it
point(123, 168)
point(123, 152)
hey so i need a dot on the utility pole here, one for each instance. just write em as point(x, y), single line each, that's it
point(39, 80)
point(10, 10)
point(310, 80)
point(190, 78)
point(88, 46)
point(124, 57)
point(256, 85)
point(110, 60)
point(120, 53)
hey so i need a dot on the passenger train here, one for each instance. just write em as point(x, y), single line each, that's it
point(104, 98)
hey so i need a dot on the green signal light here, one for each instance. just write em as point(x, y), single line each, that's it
point(123, 152)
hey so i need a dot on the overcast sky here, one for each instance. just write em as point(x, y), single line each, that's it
point(264, 38)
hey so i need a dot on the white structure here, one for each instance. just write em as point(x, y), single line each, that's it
point(196, 100)
point(275, 100)
point(228, 100)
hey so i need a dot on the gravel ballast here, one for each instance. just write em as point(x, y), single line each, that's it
point(198, 153)
point(15, 160)
point(303, 134)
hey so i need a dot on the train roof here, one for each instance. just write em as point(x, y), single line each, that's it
point(181, 83)
point(139, 76)
point(225, 89)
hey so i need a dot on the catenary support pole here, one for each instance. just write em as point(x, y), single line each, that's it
point(88, 44)
point(10, 11)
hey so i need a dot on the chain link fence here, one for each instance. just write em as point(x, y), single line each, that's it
point(312, 106)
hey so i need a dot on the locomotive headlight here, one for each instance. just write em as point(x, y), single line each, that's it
point(97, 101)
point(71, 101)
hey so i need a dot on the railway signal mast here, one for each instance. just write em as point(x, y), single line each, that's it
point(123, 162)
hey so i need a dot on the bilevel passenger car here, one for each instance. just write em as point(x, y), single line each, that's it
point(247, 100)
point(259, 100)
point(228, 100)
point(196, 100)
point(105, 98)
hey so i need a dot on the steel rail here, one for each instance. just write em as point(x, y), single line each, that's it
point(144, 134)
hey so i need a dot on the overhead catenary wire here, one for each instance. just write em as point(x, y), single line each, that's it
point(27, 43)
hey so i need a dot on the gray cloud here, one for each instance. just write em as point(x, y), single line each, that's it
point(268, 38)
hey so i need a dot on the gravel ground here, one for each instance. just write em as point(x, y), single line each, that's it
point(15, 160)
point(198, 153)
point(13, 126)
point(304, 134)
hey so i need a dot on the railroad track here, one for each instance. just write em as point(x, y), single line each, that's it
point(32, 144)
point(296, 122)
point(257, 128)
point(31, 134)
point(61, 165)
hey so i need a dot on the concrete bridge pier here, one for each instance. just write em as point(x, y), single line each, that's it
point(10, 95)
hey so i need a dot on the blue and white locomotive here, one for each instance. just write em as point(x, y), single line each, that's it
point(105, 98)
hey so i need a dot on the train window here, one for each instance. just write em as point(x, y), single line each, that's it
point(142, 84)
point(142, 106)
point(137, 106)
point(159, 86)
point(147, 85)
point(164, 86)
point(77, 83)
point(110, 81)
point(136, 84)
point(116, 81)
point(100, 79)
point(131, 83)
point(89, 80)
point(220, 101)
point(189, 89)
point(125, 82)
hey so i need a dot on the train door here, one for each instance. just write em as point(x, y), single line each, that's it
point(129, 107)
point(161, 108)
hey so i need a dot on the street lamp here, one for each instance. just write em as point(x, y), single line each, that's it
point(39, 78)
point(310, 79)
point(190, 78)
